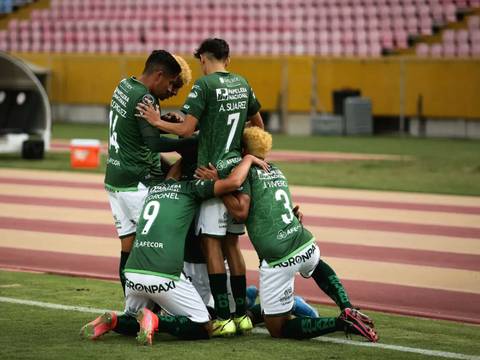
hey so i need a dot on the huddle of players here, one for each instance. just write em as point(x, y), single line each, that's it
point(153, 213)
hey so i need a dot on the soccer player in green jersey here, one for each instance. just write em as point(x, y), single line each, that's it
point(133, 159)
point(154, 268)
point(285, 248)
point(220, 103)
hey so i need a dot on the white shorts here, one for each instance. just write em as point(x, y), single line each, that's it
point(277, 282)
point(176, 297)
point(214, 219)
point(126, 207)
point(198, 275)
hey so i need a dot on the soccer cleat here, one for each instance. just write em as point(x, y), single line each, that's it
point(252, 293)
point(223, 328)
point(363, 317)
point(355, 325)
point(243, 325)
point(101, 325)
point(302, 309)
point(148, 322)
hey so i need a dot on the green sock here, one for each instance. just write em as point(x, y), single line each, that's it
point(121, 267)
point(127, 325)
point(218, 286)
point(328, 281)
point(255, 314)
point(307, 328)
point(239, 292)
point(182, 327)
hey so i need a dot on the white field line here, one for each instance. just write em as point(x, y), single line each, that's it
point(426, 352)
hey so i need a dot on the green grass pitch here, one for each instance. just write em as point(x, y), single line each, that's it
point(32, 332)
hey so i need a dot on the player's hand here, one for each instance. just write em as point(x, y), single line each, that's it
point(260, 163)
point(172, 117)
point(298, 214)
point(149, 113)
point(205, 173)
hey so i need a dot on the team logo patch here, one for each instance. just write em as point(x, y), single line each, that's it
point(193, 95)
point(148, 99)
point(287, 296)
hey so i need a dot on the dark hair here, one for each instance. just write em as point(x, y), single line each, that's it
point(162, 60)
point(218, 48)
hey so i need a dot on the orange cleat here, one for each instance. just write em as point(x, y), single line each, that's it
point(101, 325)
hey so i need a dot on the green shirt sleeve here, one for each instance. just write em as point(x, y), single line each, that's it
point(203, 189)
point(196, 100)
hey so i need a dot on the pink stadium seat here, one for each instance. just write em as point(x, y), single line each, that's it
point(362, 50)
point(426, 26)
point(375, 50)
point(349, 50)
point(422, 50)
point(401, 39)
point(473, 22)
point(449, 50)
point(450, 12)
point(463, 50)
point(336, 49)
point(448, 36)
point(461, 36)
point(436, 50)
point(475, 50)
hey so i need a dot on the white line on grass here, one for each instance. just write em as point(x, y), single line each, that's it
point(435, 353)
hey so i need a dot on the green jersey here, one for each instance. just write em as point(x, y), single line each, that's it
point(222, 103)
point(169, 209)
point(130, 161)
point(274, 230)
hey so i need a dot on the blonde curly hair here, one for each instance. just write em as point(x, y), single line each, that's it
point(257, 141)
point(186, 74)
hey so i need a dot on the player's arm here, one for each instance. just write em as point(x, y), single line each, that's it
point(175, 170)
point(256, 120)
point(152, 115)
point(238, 205)
point(157, 143)
point(235, 179)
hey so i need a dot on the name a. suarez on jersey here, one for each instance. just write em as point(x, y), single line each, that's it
point(241, 105)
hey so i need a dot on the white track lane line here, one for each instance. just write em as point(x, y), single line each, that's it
point(426, 352)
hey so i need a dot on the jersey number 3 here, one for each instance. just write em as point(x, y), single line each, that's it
point(281, 195)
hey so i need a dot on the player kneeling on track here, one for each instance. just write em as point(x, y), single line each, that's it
point(154, 268)
point(285, 248)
